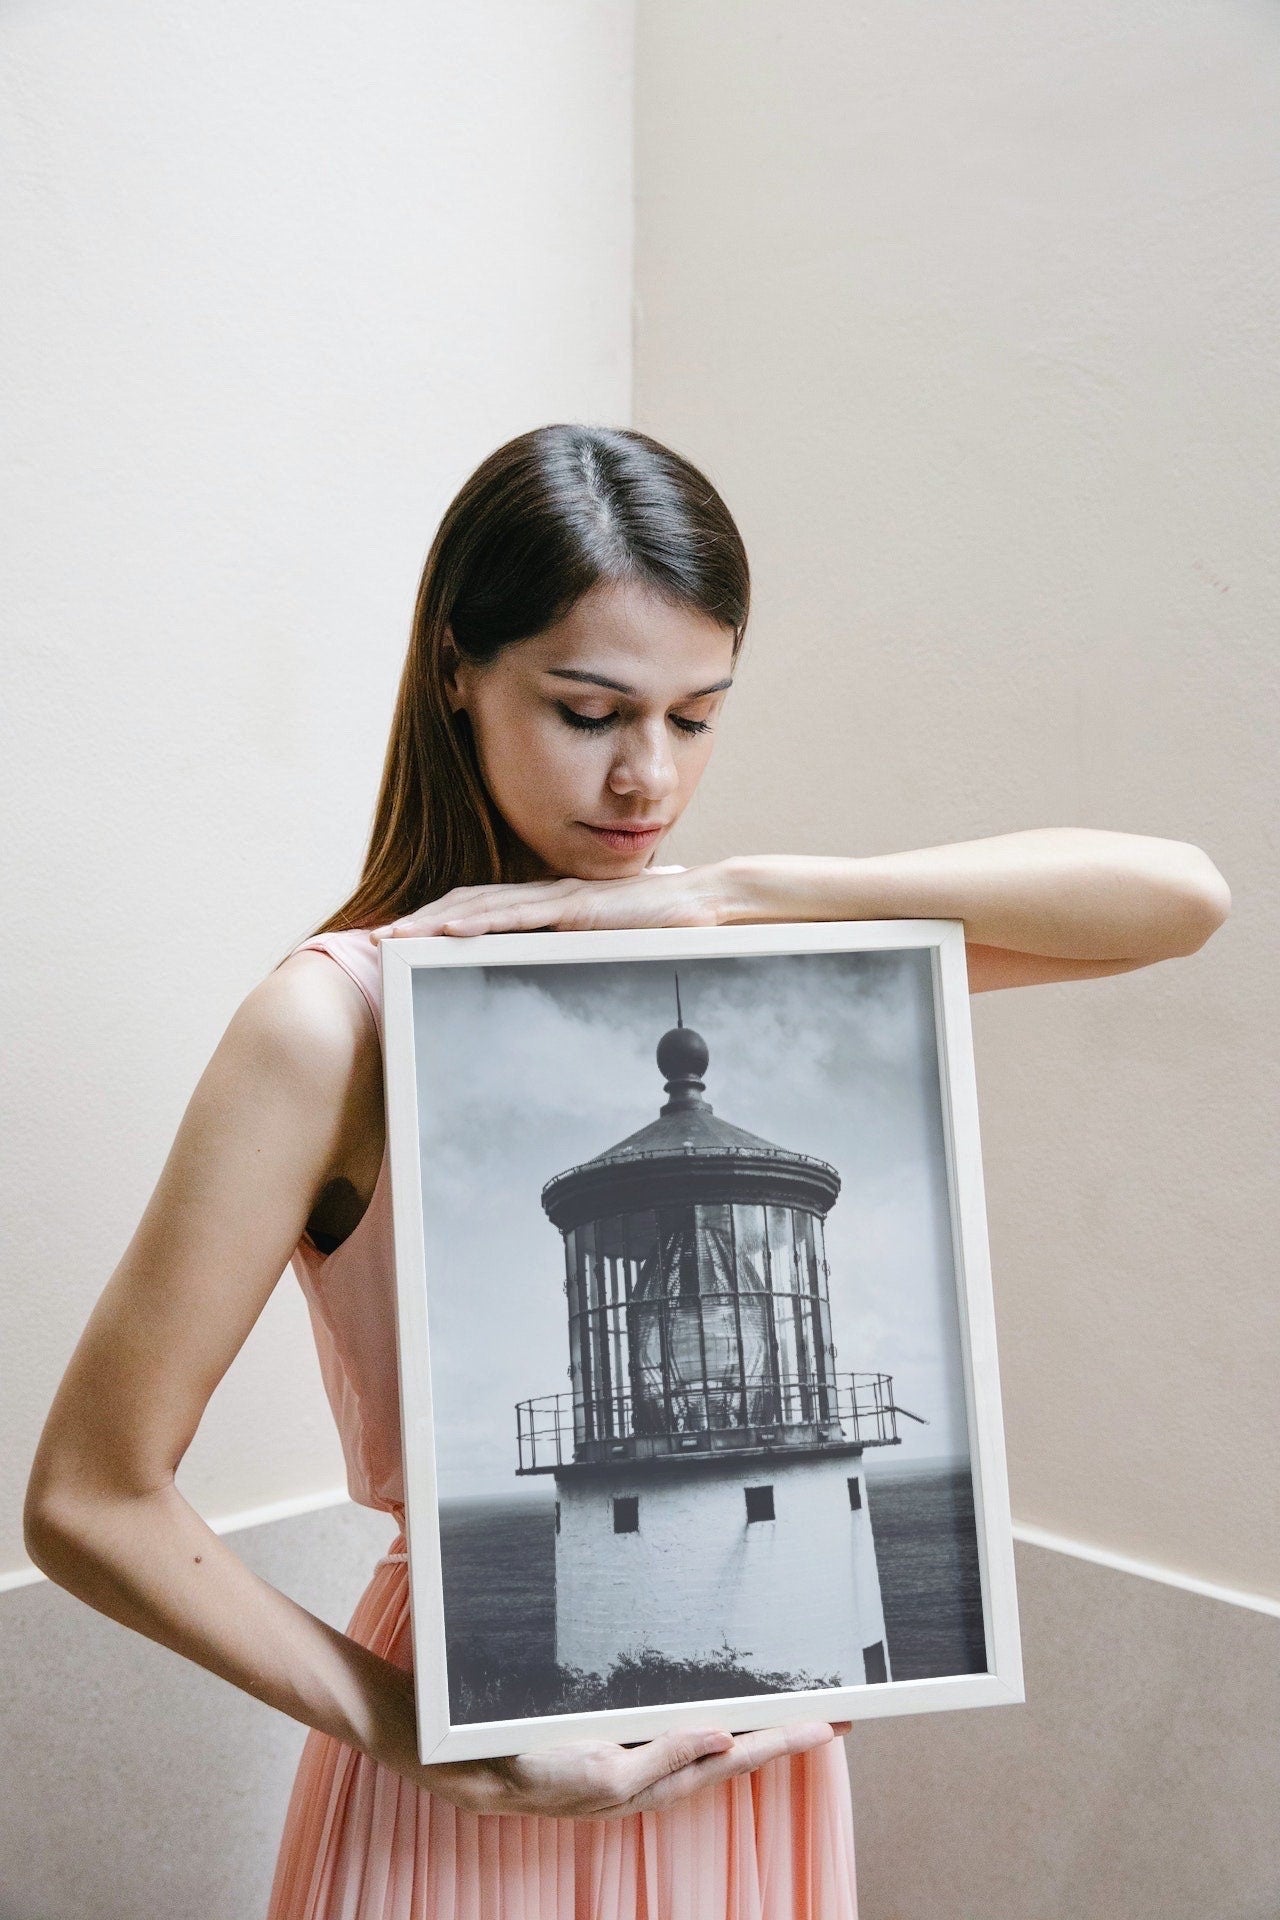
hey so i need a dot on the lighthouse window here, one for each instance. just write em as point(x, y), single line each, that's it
point(685, 1319)
point(755, 1319)
point(759, 1503)
point(788, 1335)
point(626, 1513)
point(687, 1257)
point(855, 1493)
point(782, 1256)
point(807, 1254)
point(600, 1256)
point(873, 1664)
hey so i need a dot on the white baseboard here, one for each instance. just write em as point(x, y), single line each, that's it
point(1145, 1569)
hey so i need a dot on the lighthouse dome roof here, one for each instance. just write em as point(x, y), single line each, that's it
point(688, 1154)
point(691, 1129)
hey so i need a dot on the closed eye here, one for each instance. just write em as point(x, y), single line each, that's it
point(590, 723)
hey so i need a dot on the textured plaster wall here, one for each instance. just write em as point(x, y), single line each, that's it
point(971, 314)
point(276, 279)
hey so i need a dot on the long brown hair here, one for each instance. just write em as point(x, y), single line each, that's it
point(541, 521)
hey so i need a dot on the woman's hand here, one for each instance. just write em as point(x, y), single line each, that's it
point(665, 897)
point(594, 1779)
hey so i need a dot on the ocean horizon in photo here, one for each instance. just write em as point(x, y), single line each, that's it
point(498, 1557)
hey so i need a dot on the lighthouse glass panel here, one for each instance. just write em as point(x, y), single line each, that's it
point(760, 1344)
point(700, 1325)
point(808, 1232)
point(780, 1252)
point(600, 1284)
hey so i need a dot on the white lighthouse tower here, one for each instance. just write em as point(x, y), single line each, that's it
point(709, 1459)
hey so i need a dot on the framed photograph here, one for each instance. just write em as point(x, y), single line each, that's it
point(701, 1411)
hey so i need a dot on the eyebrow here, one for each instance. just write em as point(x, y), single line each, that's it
point(616, 686)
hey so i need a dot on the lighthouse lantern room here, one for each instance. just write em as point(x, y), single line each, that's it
point(708, 1458)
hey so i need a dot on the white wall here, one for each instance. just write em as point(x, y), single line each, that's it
point(276, 280)
point(971, 313)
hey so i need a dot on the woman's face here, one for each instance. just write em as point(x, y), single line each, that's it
point(593, 735)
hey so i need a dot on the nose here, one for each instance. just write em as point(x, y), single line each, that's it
point(644, 765)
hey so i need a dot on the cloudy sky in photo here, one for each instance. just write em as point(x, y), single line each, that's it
point(526, 1070)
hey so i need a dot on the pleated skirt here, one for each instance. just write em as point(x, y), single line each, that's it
point(361, 1842)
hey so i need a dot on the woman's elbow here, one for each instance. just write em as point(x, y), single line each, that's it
point(50, 1531)
point(57, 1515)
point(1202, 901)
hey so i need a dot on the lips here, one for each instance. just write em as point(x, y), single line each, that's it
point(626, 839)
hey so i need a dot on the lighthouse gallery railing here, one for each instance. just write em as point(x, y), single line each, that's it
point(858, 1409)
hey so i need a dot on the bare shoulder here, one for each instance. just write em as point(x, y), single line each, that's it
point(306, 1024)
point(310, 998)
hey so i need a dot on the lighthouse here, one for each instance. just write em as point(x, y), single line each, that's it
point(708, 1459)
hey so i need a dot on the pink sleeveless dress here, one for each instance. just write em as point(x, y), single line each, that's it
point(361, 1842)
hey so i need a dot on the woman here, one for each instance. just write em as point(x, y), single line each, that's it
point(576, 631)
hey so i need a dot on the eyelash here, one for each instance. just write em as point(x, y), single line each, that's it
point(586, 724)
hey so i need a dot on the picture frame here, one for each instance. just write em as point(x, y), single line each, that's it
point(724, 1550)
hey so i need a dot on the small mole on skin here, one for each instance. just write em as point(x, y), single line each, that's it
point(199, 1558)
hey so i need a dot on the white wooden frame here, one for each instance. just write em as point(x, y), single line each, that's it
point(1001, 1685)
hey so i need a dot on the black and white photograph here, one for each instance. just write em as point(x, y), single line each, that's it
point(701, 1423)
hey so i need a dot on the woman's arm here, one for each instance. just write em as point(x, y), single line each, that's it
point(276, 1115)
point(1082, 899)
point(1048, 903)
point(260, 1138)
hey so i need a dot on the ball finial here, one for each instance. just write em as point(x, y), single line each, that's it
point(682, 1054)
point(683, 1057)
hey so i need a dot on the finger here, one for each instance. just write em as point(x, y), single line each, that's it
point(581, 1778)
point(676, 1769)
point(567, 905)
point(461, 901)
point(762, 1744)
point(529, 917)
point(654, 1760)
point(745, 1757)
point(588, 911)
